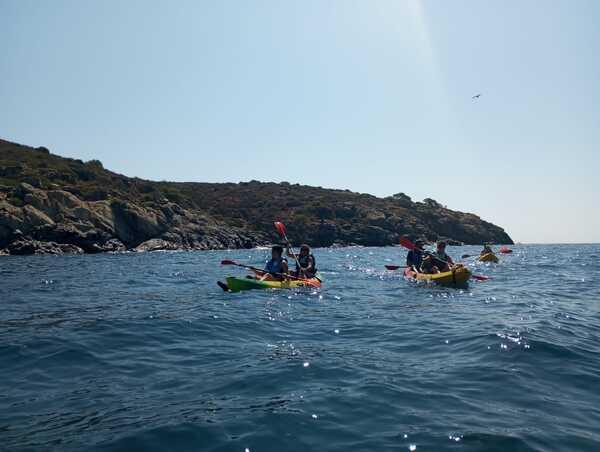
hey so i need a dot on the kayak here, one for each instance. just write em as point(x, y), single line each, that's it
point(505, 250)
point(456, 277)
point(238, 284)
point(489, 257)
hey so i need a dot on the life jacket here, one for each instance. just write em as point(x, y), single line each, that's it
point(442, 259)
point(304, 262)
point(440, 256)
point(275, 265)
point(415, 257)
point(427, 263)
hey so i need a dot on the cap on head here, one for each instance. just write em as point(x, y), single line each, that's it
point(304, 247)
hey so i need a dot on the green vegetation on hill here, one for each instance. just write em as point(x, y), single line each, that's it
point(45, 198)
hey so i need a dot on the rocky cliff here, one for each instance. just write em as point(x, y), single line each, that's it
point(51, 204)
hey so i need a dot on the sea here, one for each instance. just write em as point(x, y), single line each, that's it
point(144, 352)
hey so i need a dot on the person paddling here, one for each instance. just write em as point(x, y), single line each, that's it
point(486, 250)
point(442, 261)
point(307, 262)
point(277, 264)
point(414, 258)
point(428, 265)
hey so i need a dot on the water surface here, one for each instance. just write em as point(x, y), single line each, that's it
point(144, 352)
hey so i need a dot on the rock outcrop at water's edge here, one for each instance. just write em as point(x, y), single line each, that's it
point(55, 205)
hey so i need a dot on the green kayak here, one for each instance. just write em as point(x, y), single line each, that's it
point(238, 284)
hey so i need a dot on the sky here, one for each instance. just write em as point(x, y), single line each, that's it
point(374, 96)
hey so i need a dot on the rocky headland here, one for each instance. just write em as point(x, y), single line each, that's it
point(54, 205)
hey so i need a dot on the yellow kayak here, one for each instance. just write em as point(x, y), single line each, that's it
point(489, 257)
point(456, 277)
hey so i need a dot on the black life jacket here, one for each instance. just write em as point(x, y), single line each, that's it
point(304, 262)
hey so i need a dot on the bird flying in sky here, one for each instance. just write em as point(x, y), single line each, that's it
point(476, 96)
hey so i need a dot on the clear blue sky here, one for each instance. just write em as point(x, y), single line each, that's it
point(374, 96)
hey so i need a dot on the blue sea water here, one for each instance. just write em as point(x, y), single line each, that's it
point(143, 352)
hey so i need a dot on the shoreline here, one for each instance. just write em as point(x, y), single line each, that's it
point(61, 249)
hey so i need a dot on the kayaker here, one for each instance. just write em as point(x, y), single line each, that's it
point(486, 250)
point(442, 260)
point(428, 265)
point(277, 264)
point(414, 258)
point(308, 263)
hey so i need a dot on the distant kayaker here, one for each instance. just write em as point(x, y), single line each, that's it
point(414, 258)
point(308, 263)
point(278, 264)
point(486, 250)
point(442, 260)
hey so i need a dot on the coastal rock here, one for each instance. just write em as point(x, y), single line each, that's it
point(11, 219)
point(33, 218)
point(113, 246)
point(27, 247)
point(134, 224)
point(326, 234)
point(51, 204)
point(156, 245)
point(67, 248)
point(90, 240)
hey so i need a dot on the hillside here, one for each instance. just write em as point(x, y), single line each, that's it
point(52, 204)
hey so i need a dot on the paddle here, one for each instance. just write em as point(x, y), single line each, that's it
point(395, 267)
point(281, 229)
point(466, 256)
point(307, 281)
point(406, 243)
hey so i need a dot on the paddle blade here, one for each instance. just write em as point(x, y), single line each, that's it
point(280, 228)
point(314, 284)
point(393, 267)
point(480, 277)
point(464, 256)
point(228, 262)
point(406, 243)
